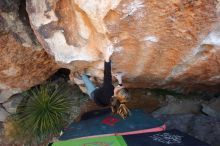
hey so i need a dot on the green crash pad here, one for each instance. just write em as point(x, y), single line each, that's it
point(164, 138)
point(99, 141)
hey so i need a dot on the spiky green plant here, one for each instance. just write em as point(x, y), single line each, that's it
point(44, 111)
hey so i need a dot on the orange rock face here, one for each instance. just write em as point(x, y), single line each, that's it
point(21, 67)
point(23, 62)
point(157, 44)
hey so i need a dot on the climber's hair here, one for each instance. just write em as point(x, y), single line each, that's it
point(123, 95)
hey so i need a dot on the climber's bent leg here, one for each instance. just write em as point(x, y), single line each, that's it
point(89, 85)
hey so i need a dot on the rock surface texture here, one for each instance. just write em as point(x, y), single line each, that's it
point(23, 62)
point(165, 44)
point(200, 126)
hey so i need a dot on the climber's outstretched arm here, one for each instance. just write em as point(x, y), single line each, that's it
point(107, 73)
point(107, 66)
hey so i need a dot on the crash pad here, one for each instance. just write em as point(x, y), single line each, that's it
point(104, 123)
point(163, 138)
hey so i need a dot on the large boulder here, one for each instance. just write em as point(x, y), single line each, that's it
point(213, 108)
point(3, 114)
point(199, 126)
point(23, 62)
point(164, 44)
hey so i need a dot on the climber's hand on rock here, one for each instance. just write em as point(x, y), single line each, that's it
point(118, 76)
point(109, 51)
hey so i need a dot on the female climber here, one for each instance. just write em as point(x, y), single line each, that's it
point(107, 94)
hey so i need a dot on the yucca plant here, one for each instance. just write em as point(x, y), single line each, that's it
point(44, 112)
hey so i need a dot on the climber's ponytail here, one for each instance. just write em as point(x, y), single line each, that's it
point(118, 103)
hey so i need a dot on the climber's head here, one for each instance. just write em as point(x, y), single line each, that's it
point(122, 94)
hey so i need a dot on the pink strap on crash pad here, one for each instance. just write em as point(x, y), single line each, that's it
point(157, 129)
